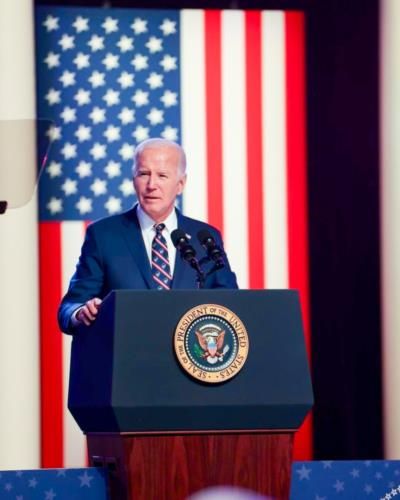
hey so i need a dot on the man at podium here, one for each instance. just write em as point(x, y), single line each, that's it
point(135, 250)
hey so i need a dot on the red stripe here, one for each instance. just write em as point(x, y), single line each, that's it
point(254, 149)
point(212, 32)
point(297, 188)
point(51, 369)
point(160, 256)
point(161, 270)
point(162, 244)
point(161, 283)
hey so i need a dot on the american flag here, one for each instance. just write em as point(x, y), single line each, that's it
point(228, 85)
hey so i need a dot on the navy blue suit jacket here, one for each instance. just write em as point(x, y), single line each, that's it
point(114, 256)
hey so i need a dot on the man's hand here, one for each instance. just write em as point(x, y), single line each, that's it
point(88, 313)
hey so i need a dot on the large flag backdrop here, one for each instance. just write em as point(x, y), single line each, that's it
point(228, 85)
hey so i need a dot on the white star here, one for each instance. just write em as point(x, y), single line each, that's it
point(52, 60)
point(140, 98)
point(303, 472)
point(140, 133)
point(139, 26)
point(339, 486)
point(96, 43)
point(32, 482)
point(111, 97)
point(126, 187)
point(110, 25)
point(169, 98)
point(68, 151)
point(61, 472)
point(52, 96)
point(53, 133)
point(98, 151)
point(82, 60)
point(67, 42)
point(140, 62)
point(155, 80)
point(81, 24)
point(368, 489)
point(84, 169)
point(8, 487)
point(126, 80)
point(110, 61)
point(51, 23)
point(126, 151)
point(54, 169)
point(84, 205)
point(112, 133)
point(154, 44)
point(68, 114)
point(69, 187)
point(125, 43)
point(355, 473)
point(170, 133)
point(367, 463)
point(155, 116)
point(126, 116)
point(168, 27)
point(113, 205)
point(82, 97)
point(327, 464)
point(168, 63)
point(99, 187)
point(67, 78)
point(97, 115)
point(83, 133)
point(96, 79)
point(378, 475)
point(54, 206)
point(112, 169)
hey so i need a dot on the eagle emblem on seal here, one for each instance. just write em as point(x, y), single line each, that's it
point(210, 339)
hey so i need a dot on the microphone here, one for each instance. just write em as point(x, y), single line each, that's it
point(214, 251)
point(181, 242)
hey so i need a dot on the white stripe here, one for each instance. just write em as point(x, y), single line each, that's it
point(72, 234)
point(390, 203)
point(234, 142)
point(274, 142)
point(19, 330)
point(193, 112)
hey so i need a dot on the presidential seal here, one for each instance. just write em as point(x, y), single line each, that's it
point(211, 343)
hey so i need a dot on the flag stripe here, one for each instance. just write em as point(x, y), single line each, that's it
point(254, 149)
point(297, 186)
point(51, 345)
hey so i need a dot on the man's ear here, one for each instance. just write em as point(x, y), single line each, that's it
point(182, 183)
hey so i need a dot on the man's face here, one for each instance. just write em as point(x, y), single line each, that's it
point(157, 180)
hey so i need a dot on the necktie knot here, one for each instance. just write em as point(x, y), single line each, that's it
point(159, 228)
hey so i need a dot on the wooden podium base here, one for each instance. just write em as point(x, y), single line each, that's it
point(171, 467)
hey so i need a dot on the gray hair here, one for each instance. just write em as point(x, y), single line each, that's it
point(158, 142)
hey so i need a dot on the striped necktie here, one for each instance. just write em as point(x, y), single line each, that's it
point(160, 267)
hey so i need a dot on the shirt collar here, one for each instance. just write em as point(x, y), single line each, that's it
point(147, 223)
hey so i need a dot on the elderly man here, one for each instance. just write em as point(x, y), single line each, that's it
point(134, 250)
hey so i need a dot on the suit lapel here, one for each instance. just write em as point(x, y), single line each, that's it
point(134, 239)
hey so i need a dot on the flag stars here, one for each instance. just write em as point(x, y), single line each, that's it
point(83, 133)
point(53, 133)
point(169, 99)
point(99, 187)
point(339, 486)
point(355, 473)
point(54, 169)
point(67, 78)
point(140, 62)
point(68, 151)
point(168, 63)
point(112, 169)
point(96, 79)
point(52, 60)
point(111, 97)
point(113, 205)
point(126, 151)
point(155, 116)
point(97, 115)
point(140, 133)
point(125, 43)
point(84, 169)
point(8, 486)
point(67, 42)
point(82, 97)
point(111, 61)
point(82, 60)
point(155, 80)
point(368, 489)
point(68, 114)
point(170, 133)
point(52, 96)
point(126, 187)
point(110, 25)
point(96, 43)
point(140, 98)
point(126, 80)
point(84, 205)
point(112, 133)
point(32, 483)
point(139, 26)
point(81, 24)
point(126, 116)
point(69, 187)
point(51, 23)
point(168, 27)
point(55, 207)
point(98, 151)
point(154, 44)
point(303, 472)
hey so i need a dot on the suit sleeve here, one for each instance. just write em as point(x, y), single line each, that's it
point(86, 283)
